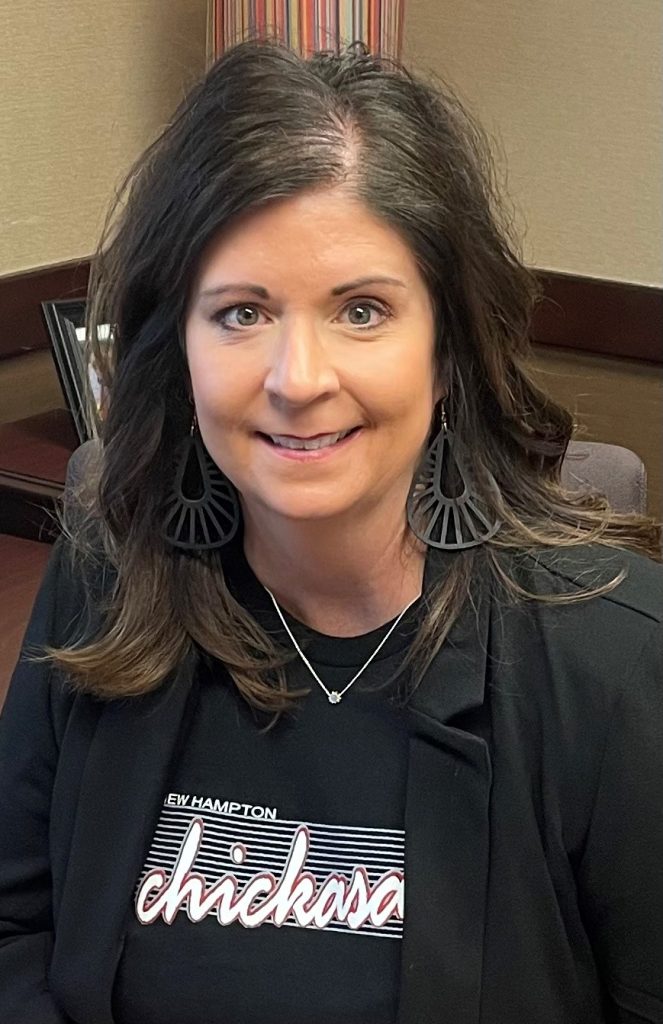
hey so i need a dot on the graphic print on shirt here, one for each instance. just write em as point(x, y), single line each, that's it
point(241, 863)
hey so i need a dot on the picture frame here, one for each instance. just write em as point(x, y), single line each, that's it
point(81, 384)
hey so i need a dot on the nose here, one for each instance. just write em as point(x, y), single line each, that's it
point(299, 367)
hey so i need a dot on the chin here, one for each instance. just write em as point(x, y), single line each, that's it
point(306, 511)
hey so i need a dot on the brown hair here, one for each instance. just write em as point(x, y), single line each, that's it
point(263, 123)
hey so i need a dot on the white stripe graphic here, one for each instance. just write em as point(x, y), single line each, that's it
point(256, 871)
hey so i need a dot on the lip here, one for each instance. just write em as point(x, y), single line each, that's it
point(314, 454)
point(306, 437)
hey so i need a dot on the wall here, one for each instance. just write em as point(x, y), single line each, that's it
point(85, 86)
point(572, 88)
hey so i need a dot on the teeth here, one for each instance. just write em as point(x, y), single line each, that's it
point(317, 442)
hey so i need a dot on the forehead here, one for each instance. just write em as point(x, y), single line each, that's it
point(313, 235)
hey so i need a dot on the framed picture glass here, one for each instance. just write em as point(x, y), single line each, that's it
point(81, 384)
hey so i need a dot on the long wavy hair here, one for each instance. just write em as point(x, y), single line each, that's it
point(264, 123)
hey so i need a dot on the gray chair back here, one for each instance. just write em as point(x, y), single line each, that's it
point(607, 469)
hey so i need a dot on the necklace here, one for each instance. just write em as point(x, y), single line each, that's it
point(334, 696)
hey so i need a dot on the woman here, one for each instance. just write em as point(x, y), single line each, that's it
point(348, 711)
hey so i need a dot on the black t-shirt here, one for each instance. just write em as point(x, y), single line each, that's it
point(273, 887)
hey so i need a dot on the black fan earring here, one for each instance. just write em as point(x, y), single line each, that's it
point(202, 510)
point(448, 523)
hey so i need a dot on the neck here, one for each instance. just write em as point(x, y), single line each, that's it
point(339, 581)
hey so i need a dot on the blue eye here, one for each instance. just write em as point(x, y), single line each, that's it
point(220, 317)
point(365, 306)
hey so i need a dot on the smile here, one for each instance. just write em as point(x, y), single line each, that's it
point(309, 449)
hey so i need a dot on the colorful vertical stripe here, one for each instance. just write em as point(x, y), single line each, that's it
point(308, 25)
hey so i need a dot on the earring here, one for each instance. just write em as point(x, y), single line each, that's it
point(202, 511)
point(457, 522)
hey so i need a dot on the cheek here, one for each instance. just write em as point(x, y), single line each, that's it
point(407, 398)
point(208, 394)
point(196, 357)
point(208, 375)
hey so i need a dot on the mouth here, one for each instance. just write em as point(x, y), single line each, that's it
point(315, 447)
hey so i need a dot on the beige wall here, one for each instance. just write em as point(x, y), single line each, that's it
point(572, 88)
point(85, 85)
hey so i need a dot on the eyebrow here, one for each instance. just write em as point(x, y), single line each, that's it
point(256, 289)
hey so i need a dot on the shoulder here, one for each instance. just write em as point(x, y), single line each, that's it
point(639, 592)
point(576, 695)
point(76, 584)
point(563, 579)
point(597, 650)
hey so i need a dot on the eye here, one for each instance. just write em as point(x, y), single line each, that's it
point(221, 317)
point(365, 306)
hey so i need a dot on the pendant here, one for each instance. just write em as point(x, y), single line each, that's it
point(334, 697)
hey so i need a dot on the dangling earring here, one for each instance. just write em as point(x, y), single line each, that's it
point(208, 515)
point(453, 523)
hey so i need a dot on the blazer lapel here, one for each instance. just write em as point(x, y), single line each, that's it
point(121, 793)
point(447, 832)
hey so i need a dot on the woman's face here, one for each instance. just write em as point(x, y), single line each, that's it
point(282, 339)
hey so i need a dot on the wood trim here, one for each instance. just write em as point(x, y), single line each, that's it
point(610, 318)
point(22, 327)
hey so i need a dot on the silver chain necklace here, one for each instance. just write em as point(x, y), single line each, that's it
point(334, 696)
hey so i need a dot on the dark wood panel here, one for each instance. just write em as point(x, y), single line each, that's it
point(33, 463)
point(38, 446)
point(22, 326)
point(608, 318)
point(29, 385)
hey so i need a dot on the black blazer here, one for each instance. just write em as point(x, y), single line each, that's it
point(534, 816)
